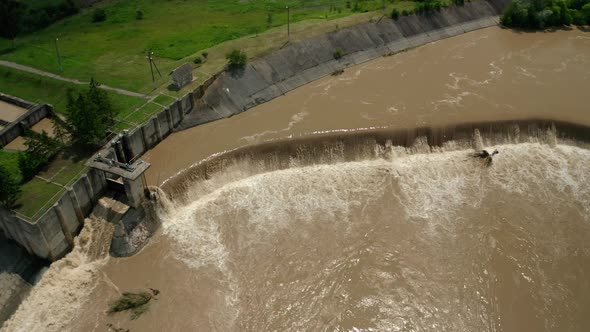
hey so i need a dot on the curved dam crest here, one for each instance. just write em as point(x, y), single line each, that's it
point(341, 146)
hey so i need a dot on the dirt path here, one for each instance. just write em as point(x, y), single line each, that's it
point(61, 78)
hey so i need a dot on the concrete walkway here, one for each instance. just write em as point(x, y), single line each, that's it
point(65, 79)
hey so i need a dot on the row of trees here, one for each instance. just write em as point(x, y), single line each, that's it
point(17, 17)
point(540, 14)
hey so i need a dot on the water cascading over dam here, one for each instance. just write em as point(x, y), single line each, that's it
point(354, 203)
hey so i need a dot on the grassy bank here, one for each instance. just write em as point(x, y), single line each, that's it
point(113, 51)
point(41, 89)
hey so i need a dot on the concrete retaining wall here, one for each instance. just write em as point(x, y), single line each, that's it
point(27, 120)
point(295, 65)
point(51, 235)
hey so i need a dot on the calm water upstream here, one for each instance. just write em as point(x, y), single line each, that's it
point(411, 240)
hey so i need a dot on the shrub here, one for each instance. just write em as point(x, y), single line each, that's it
point(205, 54)
point(136, 302)
point(40, 149)
point(236, 59)
point(198, 60)
point(586, 12)
point(99, 15)
point(139, 15)
point(405, 13)
point(394, 13)
point(459, 2)
point(338, 53)
point(539, 14)
point(30, 164)
point(9, 189)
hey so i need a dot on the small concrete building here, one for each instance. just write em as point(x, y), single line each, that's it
point(182, 75)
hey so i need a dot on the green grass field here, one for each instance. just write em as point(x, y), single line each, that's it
point(114, 51)
point(39, 192)
point(41, 89)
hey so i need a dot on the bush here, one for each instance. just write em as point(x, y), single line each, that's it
point(394, 13)
point(138, 15)
point(205, 54)
point(586, 12)
point(338, 53)
point(40, 149)
point(459, 2)
point(99, 15)
point(236, 59)
point(30, 164)
point(539, 14)
point(198, 60)
point(9, 189)
point(405, 13)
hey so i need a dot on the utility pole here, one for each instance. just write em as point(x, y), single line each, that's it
point(150, 58)
point(288, 23)
point(58, 56)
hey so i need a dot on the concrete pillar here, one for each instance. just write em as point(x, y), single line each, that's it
point(63, 223)
point(169, 119)
point(89, 189)
point(158, 128)
point(127, 146)
point(134, 190)
point(119, 152)
point(76, 205)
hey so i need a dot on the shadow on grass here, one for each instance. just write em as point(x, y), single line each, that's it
point(7, 50)
point(173, 87)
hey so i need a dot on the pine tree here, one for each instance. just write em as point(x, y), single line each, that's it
point(9, 189)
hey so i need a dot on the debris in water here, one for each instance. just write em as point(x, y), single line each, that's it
point(116, 329)
point(337, 72)
point(486, 156)
point(137, 302)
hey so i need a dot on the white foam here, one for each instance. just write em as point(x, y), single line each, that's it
point(66, 286)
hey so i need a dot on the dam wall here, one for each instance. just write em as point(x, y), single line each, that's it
point(50, 236)
point(348, 146)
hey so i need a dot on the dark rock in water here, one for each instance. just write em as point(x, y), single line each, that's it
point(133, 230)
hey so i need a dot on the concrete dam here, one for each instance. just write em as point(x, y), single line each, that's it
point(230, 93)
point(356, 202)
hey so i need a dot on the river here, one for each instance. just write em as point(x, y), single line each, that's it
point(382, 238)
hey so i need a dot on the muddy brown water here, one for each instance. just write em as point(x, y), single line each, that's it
point(415, 240)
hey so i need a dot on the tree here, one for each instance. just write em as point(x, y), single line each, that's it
point(11, 13)
point(99, 15)
point(236, 59)
point(40, 149)
point(89, 115)
point(9, 188)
